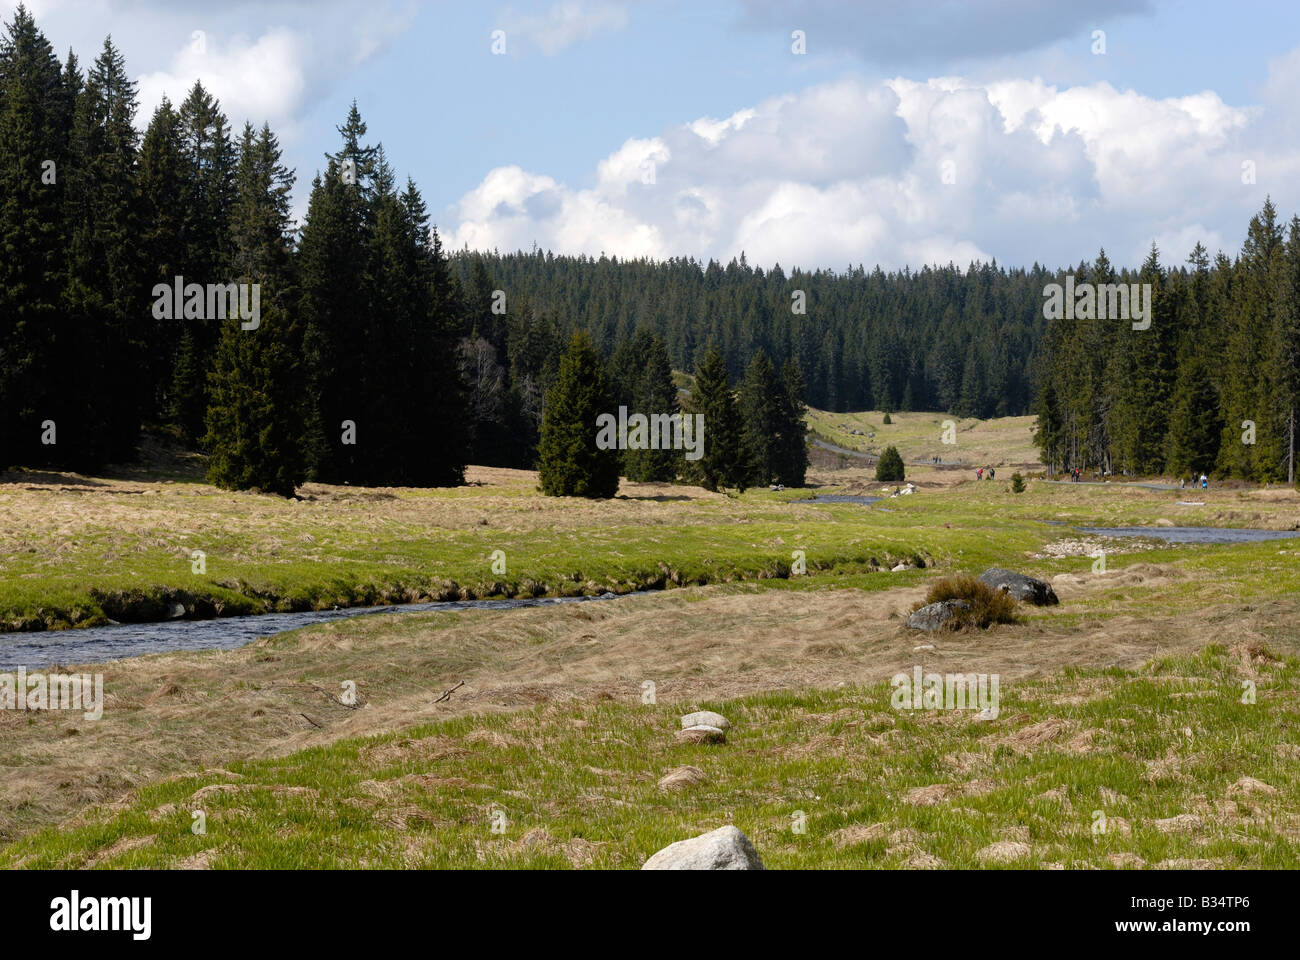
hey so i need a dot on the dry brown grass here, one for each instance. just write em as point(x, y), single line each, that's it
point(179, 712)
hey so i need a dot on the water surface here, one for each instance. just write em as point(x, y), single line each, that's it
point(98, 644)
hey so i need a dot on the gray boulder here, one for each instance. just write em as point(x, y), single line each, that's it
point(935, 615)
point(722, 849)
point(1023, 588)
point(705, 718)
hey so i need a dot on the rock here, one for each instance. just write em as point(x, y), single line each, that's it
point(935, 615)
point(679, 778)
point(1165, 522)
point(1023, 588)
point(705, 718)
point(899, 568)
point(176, 611)
point(723, 849)
point(702, 733)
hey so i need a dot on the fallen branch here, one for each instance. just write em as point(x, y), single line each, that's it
point(309, 720)
point(446, 695)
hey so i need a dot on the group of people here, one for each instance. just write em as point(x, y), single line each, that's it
point(980, 473)
point(1204, 482)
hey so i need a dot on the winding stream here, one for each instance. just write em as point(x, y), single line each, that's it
point(38, 650)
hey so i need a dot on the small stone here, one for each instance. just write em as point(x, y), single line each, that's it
point(935, 615)
point(723, 849)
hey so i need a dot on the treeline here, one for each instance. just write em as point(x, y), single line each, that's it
point(346, 374)
point(938, 339)
point(1211, 385)
point(157, 280)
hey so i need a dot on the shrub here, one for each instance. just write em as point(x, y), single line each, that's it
point(987, 604)
point(890, 465)
point(1017, 483)
point(886, 420)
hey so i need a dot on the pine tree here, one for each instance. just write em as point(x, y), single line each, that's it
point(569, 462)
point(162, 188)
point(37, 343)
point(723, 462)
point(254, 417)
point(889, 468)
point(761, 401)
point(334, 309)
point(655, 393)
point(209, 159)
point(792, 437)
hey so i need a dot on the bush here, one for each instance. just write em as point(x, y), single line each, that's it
point(987, 605)
point(1017, 483)
point(886, 420)
point(890, 465)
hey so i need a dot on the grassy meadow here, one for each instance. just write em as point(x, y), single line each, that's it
point(1123, 704)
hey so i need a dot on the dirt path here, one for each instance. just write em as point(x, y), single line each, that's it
point(175, 713)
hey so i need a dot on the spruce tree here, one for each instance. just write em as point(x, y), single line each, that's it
point(761, 401)
point(724, 461)
point(889, 468)
point(254, 416)
point(162, 190)
point(37, 340)
point(792, 440)
point(209, 158)
point(569, 462)
point(655, 393)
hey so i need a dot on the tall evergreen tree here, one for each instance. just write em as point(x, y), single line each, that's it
point(792, 442)
point(37, 343)
point(760, 401)
point(724, 461)
point(254, 417)
point(655, 393)
point(569, 462)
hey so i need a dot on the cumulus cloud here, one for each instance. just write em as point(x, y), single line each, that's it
point(562, 24)
point(905, 172)
point(275, 73)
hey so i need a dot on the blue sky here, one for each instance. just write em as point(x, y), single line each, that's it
point(906, 134)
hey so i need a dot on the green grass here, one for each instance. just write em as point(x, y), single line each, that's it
point(78, 559)
point(577, 783)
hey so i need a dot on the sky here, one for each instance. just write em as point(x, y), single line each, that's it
point(808, 133)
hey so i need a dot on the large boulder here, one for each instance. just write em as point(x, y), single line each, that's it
point(1023, 588)
point(935, 615)
point(723, 849)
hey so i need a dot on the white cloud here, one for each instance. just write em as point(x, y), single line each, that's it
point(263, 80)
point(910, 172)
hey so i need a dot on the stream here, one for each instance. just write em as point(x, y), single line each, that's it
point(38, 650)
